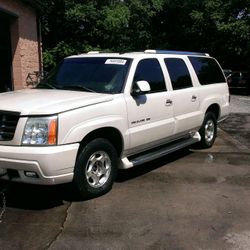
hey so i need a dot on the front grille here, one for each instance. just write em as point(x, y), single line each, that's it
point(8, 123)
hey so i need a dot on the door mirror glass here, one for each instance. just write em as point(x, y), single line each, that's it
point(140, 88)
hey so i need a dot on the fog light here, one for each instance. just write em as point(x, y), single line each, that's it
point(31, 174)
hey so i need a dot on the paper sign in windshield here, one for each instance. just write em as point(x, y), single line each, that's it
point(116, 61)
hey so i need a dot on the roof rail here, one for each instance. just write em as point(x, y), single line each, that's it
point(175, 52)
point(93, 52)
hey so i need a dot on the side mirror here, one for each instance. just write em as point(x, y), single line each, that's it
point(140, 88)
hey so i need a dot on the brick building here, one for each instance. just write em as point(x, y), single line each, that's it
point(20, 46)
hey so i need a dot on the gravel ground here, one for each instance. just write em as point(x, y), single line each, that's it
point(240, 104)
point(237, 124)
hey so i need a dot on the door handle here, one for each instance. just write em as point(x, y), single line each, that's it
point(194, 97)
point(169, 102)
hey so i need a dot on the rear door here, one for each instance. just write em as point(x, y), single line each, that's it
point(184, 97)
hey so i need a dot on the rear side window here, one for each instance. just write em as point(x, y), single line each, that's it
point(150, 70)
point(207, 70)
point(178, 72)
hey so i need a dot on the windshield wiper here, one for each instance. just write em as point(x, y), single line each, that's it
point(46, 84)
point(75, 87)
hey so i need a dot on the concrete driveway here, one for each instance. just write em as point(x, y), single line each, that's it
point(192, 199)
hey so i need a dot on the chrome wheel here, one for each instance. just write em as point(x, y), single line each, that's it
point(98, 169)
point(209, 131)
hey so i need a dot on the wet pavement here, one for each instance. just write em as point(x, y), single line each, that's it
point(192, 199)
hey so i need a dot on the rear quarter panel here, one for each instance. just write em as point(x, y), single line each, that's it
point(215, 94)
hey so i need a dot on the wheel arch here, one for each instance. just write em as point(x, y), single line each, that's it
point(215, 109)
point(111, 134)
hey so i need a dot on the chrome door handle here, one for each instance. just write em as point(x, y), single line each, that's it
point(169, 102)
point(194, 97)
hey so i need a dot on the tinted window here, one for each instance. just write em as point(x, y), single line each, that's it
point(97, 74)
point(207, 70)
point(235, 74)
point(150, 70)
point(235, 77)
point(245, 76)
point(178, 72)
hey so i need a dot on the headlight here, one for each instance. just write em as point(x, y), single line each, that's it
point(40, 131)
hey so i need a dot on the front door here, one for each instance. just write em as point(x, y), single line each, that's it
point(150, 117)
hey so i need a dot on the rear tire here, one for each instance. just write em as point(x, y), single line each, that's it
point(208, 131)
point(96, 168)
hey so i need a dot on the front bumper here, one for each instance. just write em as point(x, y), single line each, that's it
point(38, 165)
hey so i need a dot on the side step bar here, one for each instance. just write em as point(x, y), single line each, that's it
point(161, 151)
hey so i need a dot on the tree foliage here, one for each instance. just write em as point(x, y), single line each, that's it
point(219, 27)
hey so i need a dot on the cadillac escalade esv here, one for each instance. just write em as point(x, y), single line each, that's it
point(97, 112)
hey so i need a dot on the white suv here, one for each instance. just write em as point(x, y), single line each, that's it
point(97, 112)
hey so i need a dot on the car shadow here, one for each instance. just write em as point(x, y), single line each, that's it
point(36, 197)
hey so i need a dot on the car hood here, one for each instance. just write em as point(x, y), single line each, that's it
point(46, 101)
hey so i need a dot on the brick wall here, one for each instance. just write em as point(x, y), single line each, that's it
point(24, 40)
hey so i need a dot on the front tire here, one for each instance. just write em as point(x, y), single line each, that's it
point(208, 131)
point(95, 168)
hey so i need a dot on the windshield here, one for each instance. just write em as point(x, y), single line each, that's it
point(95, 74)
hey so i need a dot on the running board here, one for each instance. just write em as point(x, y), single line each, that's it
point(161, 151)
